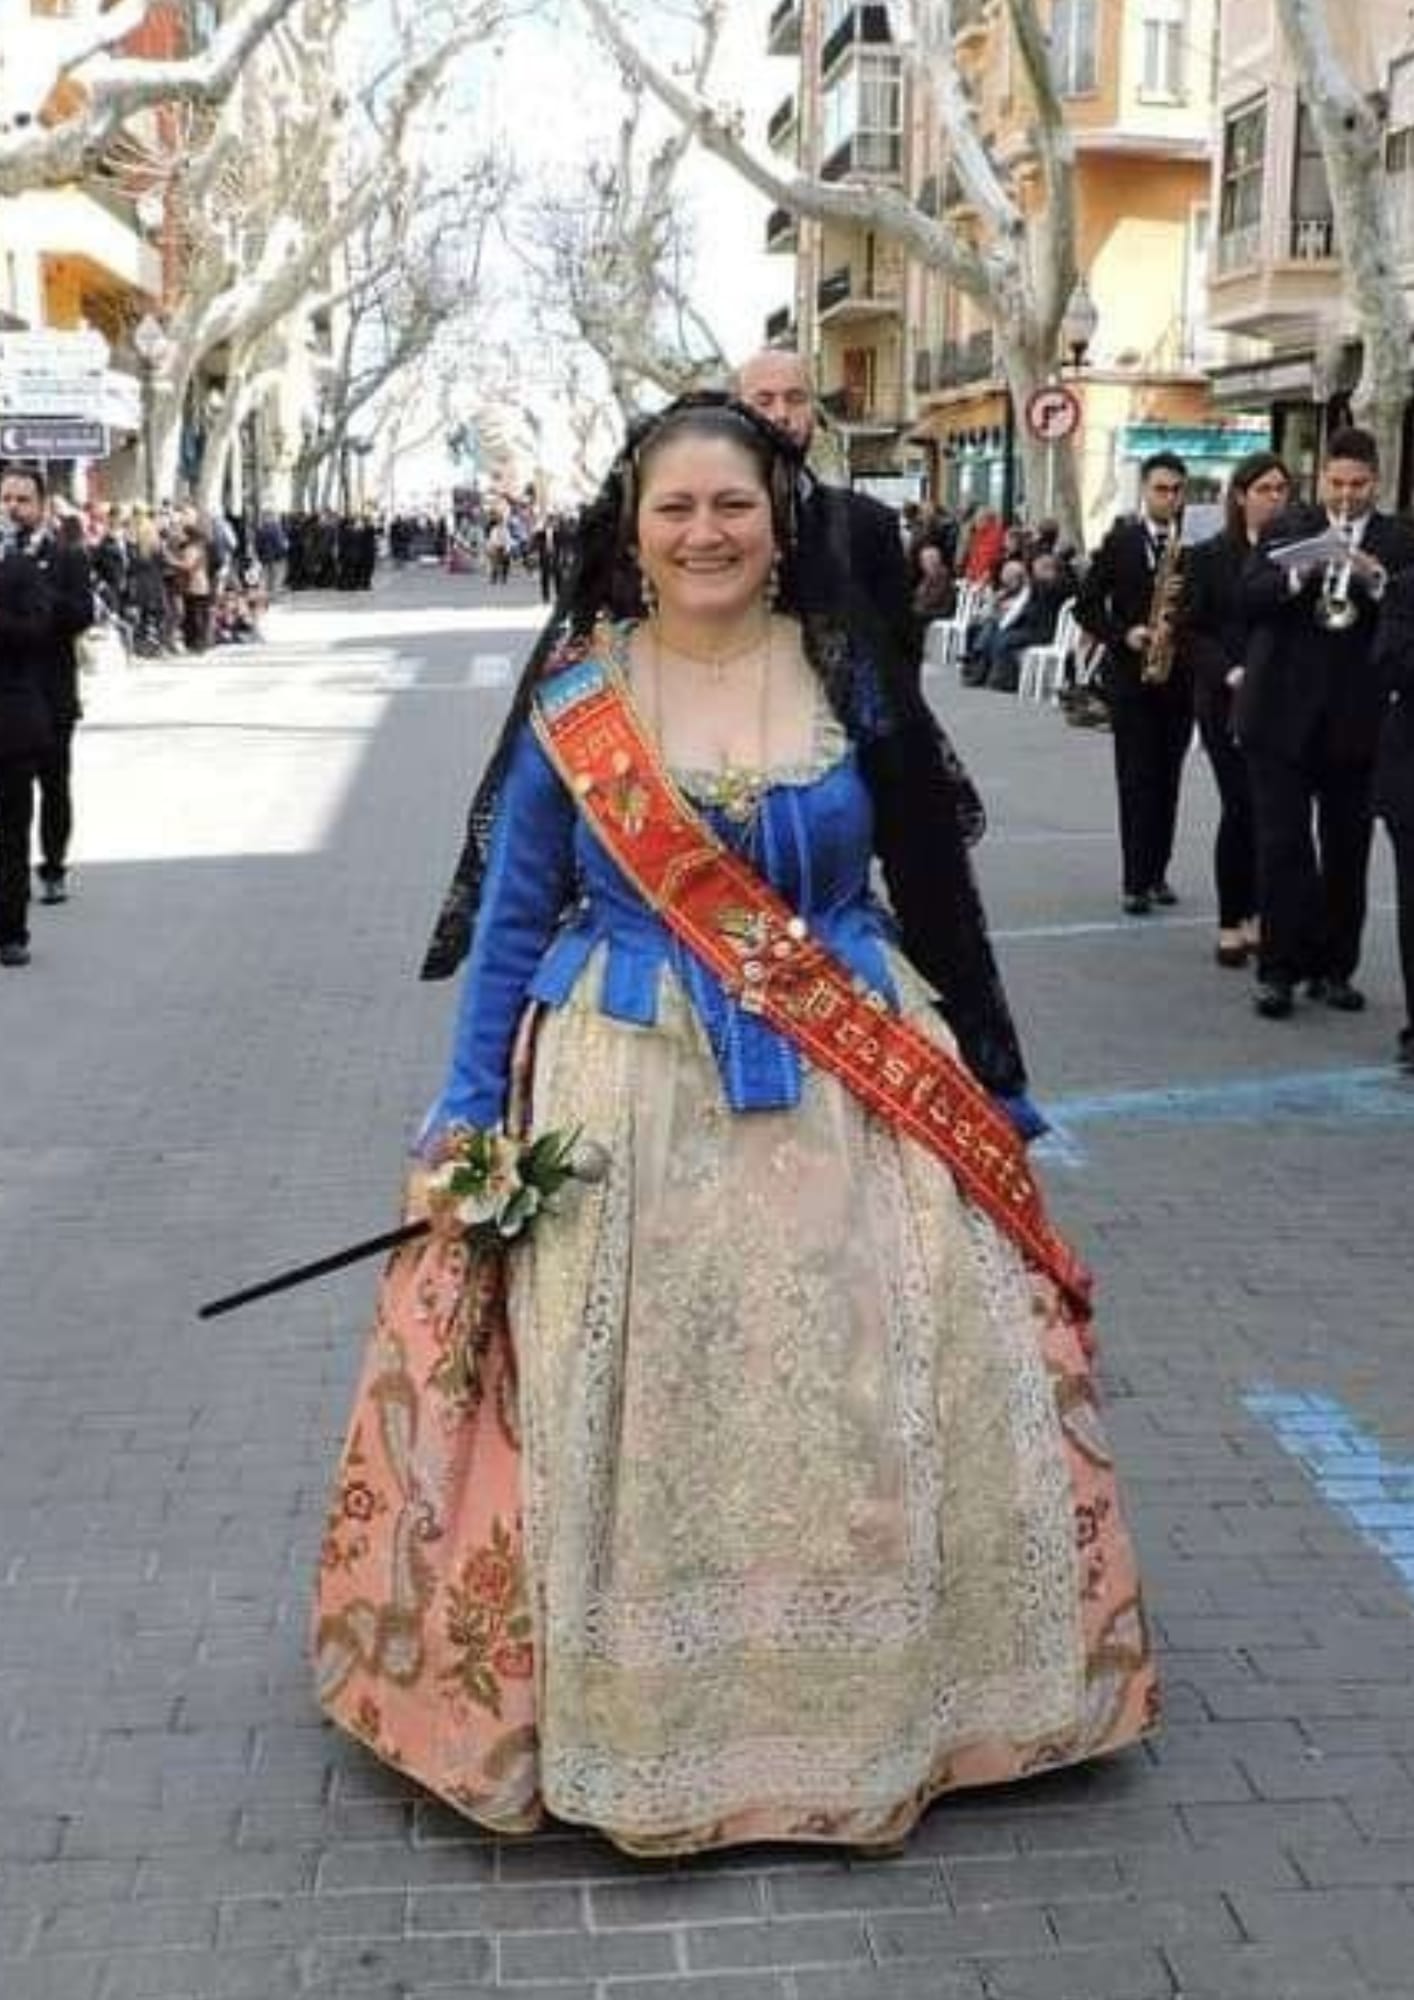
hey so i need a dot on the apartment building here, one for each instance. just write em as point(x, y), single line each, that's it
point(1276, 283)
point(904, 360)
point(91, 256)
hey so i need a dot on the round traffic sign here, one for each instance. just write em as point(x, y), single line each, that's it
point(1053, 413)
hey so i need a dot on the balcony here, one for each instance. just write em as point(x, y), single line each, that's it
point(861, 27)
point(1239, 249)
point(780, 327)
point(781, 230)
point(780, 126)
point(840, 295)
point(877, 154)
point(856, 409)
point(1312, 239)
point(783, 33)
point(960, 362)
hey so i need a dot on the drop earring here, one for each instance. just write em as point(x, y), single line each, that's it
point(773, 582)
point(648, 592)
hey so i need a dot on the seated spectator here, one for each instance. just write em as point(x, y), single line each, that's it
point(935, 591)
point(996, 644)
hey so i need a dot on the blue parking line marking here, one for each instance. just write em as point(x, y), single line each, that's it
point(1354, 1096)
point(1329, 1443)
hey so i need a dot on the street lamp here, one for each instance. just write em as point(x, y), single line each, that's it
point(1081, 322)
point(152, 348)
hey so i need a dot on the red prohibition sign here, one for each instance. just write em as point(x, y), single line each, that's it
point(1052, 413)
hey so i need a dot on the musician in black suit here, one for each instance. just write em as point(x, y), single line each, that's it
point(1394, 777)
point(1213, 641)
point(1308, 716)
point(1152, 724)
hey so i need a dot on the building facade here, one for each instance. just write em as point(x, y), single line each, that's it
point(906, 361)
point(1276, 284)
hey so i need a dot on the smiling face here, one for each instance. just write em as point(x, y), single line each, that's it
point(705, 534)
point(1349, 486)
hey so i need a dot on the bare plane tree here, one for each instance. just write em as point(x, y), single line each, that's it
point(612, 257)
point(1352, 128)
point(282, 179)
point(66, 94)
point(1017, 260)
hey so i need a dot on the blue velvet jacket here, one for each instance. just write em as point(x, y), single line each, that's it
point(551, 897)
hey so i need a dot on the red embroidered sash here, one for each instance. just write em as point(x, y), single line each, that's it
point(762, 952)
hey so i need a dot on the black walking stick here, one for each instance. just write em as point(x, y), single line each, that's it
point(300, 1274)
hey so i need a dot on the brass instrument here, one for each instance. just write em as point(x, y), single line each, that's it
point(1336, 609)
point(1163, 610)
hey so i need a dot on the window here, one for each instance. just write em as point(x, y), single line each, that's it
point(867, 99)
point(1165, 28)
point(1244, 176)
point(1399, 165)
point(1312, 218)
point(1073, 46)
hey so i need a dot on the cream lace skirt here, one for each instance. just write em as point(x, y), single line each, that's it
point(818, 1516)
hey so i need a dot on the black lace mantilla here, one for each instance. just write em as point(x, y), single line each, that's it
point(927, 812)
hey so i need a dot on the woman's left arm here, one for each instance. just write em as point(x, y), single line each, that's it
point(934, 895)
point(529, 878)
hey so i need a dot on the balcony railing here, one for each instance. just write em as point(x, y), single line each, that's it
point(878, 153)
point(979, 356)
point(780, 230)
point(1312, 238)
point(833, 290)
point(780, 325)
point(868, 25)
point(781, 123)
point(856, 406)
point(783, 34)
point(1239, 249)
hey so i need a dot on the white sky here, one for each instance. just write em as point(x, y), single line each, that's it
point(551, 101)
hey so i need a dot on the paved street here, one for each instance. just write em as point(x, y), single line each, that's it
point(211, 1069)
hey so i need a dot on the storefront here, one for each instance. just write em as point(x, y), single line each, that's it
point(1211, 451)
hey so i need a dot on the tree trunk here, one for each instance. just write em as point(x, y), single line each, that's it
point(1352, 129)
point(216, 450)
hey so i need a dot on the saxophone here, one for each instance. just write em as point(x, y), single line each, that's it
point(1163, 610)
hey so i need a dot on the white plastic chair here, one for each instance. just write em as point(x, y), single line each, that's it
point(946, 637)
point(1043, 667)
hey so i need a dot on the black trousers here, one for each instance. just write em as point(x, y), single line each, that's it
point(16, 812)
point(56, 803)
point(1402, 841)
point(1314, 826)
point(1152, 731)
point(1235, 854)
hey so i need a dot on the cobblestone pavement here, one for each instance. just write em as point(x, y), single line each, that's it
point(210, 1069)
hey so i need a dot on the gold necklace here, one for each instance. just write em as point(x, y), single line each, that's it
point(735, 788)
point(715, 663)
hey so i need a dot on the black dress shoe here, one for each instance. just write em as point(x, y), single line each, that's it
point(1136, 906)
point(1345, 998)
point(1273, 999)
point(1163, 895)
point(1232, 956)
point(53, 889)
point(14, 954)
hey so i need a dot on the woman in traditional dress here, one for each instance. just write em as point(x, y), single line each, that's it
point(777, 1504)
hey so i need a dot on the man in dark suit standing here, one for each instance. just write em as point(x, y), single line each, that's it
point(1394, 778)
point(1152, 721)
point(66, 587)
point(1308, 715)
point(858, 531)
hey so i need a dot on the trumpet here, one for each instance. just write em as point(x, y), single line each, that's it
point(1336, 610)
